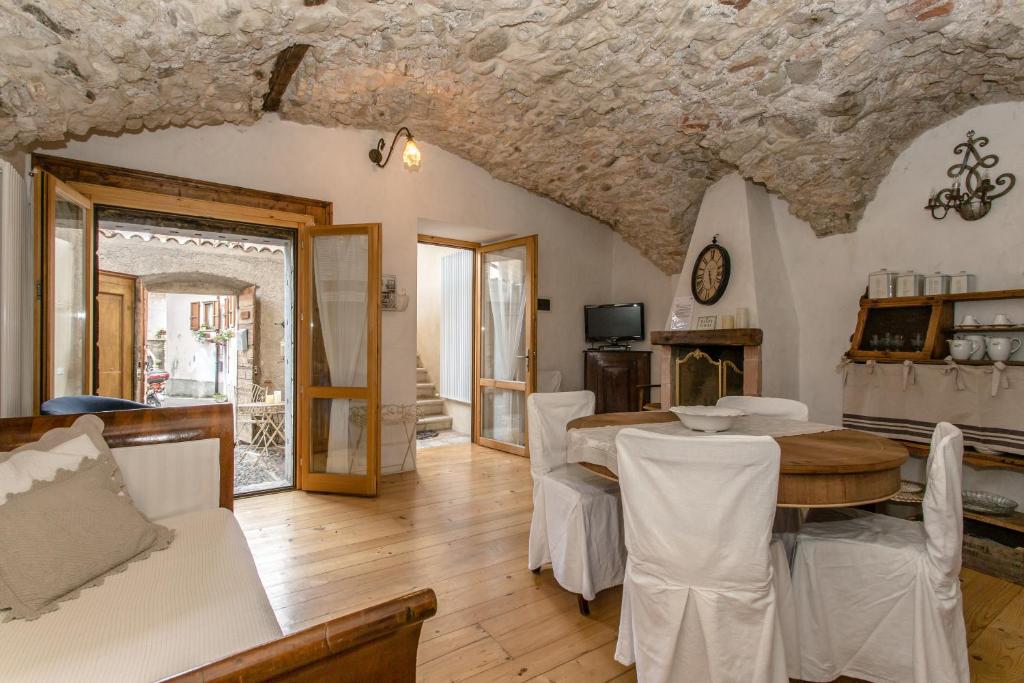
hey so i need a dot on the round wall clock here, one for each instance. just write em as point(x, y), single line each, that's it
point(710, 273)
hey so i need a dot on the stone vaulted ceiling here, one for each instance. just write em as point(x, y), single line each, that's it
point(622, 109)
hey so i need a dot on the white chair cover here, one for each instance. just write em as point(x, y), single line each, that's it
point(879, 597)
point(577, 515)
point(787, 520)
point(763, 405)
point(698, 602)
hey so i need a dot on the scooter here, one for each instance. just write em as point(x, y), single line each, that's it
point(156, 380)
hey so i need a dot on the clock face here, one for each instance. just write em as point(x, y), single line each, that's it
point(710, 274)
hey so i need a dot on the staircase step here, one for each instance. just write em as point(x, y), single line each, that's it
point(435, 422)
point(422, 375)
point(429, 406)
point(425, 390)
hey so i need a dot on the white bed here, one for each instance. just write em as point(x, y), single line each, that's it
point(202, 594)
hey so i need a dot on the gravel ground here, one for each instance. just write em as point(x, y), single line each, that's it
point(257, 469)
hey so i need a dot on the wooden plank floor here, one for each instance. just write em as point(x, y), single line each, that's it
point(460, 525)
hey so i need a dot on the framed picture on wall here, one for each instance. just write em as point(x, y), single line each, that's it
point(706, 322)
point(389, 293)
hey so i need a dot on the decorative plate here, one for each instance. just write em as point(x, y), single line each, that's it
point(988, 503)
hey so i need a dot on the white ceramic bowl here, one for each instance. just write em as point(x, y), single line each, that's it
point(706, 418)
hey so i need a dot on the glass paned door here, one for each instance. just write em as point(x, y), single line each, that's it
point(506, 345)
point(340, 366)
point(65, 262)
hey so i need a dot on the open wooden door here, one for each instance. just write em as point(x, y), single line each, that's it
point(115, 335)
point(506, 342)
point(65, 262)
point(339, 361)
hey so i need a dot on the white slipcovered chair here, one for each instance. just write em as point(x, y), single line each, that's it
point(787, 520)
point(702, 574)
point(878, 597)
point(577, 515)
point(763, 405)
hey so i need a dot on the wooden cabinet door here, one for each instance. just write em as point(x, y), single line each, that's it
point(615, 378)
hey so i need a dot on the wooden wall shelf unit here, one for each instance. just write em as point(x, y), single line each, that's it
point(971, 457)
point(1015, 521)
point(932, 317)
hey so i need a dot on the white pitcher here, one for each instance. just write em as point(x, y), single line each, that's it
point(1001, 348)
point(961, 349)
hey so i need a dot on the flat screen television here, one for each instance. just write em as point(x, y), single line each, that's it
point(614, 323)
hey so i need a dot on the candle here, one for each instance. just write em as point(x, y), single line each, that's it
point(742, 317)
point(728, 322)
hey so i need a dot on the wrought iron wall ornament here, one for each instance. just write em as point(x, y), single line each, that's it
point(410, 155)
point(972, 191)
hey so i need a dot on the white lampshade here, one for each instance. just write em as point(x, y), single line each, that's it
point(411, 155)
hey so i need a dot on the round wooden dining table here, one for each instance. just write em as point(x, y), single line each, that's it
point(839, 468)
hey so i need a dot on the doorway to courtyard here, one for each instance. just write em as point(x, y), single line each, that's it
point(194, 311)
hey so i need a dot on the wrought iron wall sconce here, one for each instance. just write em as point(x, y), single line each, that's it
point(410, 154)
point(972, 191)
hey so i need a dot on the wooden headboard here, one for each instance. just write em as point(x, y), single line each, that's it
point(144, 427)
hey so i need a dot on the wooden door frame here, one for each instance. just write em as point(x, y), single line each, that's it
point(46, 188)
point(365, 484)
point(531, 244)
point(474, 247)
point(129, 188)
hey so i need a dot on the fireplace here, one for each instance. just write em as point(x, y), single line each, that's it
point(699, 367)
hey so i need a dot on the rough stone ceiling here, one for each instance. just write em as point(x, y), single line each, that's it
point(622, 109)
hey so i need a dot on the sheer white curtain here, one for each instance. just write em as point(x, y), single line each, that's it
point(457, 325)
point(507, 299)
point(340, 273)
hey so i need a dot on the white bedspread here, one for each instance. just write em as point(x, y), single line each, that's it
point(596, 445)
point(197, 601)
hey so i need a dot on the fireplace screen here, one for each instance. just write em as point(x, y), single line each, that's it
point(701, 379)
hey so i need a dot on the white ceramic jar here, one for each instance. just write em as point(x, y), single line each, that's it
point(961, 283)
point(936, 284)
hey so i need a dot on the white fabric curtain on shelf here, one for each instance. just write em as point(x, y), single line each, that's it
point(457, 326)
point(507, 299)
point(340, 273)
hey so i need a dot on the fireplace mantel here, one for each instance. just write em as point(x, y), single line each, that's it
point(750, 336)
point(742, 345)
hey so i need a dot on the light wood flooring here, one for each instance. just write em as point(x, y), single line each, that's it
point(459, 525)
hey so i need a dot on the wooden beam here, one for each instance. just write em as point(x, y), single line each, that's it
point(73, 171)
point(284, 67)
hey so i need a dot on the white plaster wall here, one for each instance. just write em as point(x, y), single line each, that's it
point(829, 275)
point(428, 309)
point(575, 251)
point(635, 279)
point(188, 359)
point(723, 211)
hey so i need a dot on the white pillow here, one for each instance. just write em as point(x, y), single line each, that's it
point(60, 449)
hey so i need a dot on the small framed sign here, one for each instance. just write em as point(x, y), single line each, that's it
point(706, 322)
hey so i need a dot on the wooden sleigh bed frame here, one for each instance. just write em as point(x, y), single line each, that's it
point(378, 643)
